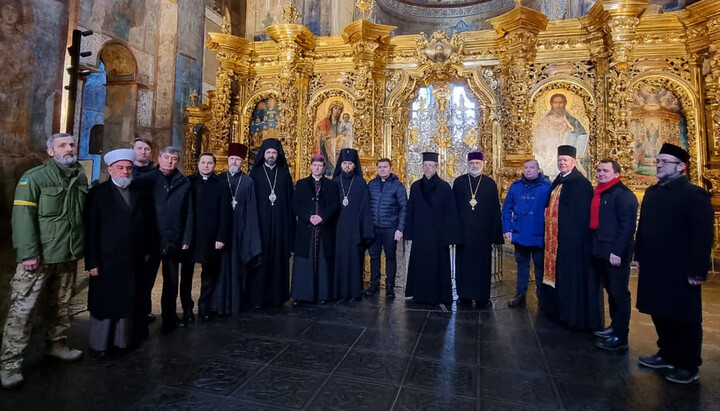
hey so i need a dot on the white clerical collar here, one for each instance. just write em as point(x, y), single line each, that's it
point(566, 174)
point(204, 177)
point(317, 178)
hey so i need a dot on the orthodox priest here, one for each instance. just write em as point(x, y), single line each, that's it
point(119, 237)
point(476, 197)
point(316, 204)
point(572, 292)
point(354, 226)
point(269, 284)
point(230, 294)
point(432, 225)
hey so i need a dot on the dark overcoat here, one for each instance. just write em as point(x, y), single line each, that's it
point(432, 225)
point(674, 242)
point(618, 214)
point(303, 205)
point(211, 202)
point(578, 297)
point(354, 232)
point(481, 228)
point(118, 239)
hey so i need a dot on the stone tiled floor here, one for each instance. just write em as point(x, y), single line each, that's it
point(373, 355)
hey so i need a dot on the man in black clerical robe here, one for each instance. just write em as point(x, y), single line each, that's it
point(120, 235)
point(316, 204)
point(354, 226)
point(573, 293)
point(211, 201)
point(432, 225)
point(230, 294)
point(269, 283)
point(476, 197)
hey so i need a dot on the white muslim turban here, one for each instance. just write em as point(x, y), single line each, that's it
point(119, 154)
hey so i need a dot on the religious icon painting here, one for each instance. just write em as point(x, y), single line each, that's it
point(333, 129)
point(438, 52)
point(560, 119)
point(263, 123)
point(656, 118)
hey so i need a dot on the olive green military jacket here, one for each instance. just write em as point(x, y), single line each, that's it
point(47, 213)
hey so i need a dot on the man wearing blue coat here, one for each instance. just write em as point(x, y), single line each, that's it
point(523, 221)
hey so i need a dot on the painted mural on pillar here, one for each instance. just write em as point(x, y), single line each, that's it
point(333, 130)
point(322, 17)
point(122, 19)
point(560, 119)
point(656, 118)
point(188, 80)
point(93, 115)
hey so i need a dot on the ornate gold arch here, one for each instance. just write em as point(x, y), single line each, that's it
point(684, 92)
point(246, 113)
point(306, 143)
point(582, 89)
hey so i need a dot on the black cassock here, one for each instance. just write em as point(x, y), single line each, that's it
point(313, 268)
point(243, 250)
point(577, 296)
point(354, 232)
point(432, 224)
point(118, 237)
point(481, 227)
point(269, 284)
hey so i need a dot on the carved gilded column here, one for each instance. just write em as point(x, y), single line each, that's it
point(517, 33)
point(292, 42)
point(195, 119)
point(369, 42)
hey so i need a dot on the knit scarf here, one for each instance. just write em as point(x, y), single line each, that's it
point(595, 205)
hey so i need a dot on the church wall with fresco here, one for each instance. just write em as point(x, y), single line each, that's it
point(617, 82)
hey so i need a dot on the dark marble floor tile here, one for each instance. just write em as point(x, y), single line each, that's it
point(500, 354)
point(489, 405)
point(356, 316)
point(445, 376)
point(395, 341)
point(408, 320)
point(252, 348)
point(458, 316)
point(164, 367)
point(332, 334)
point(505, 316)
point(283, 387)
point(236, 405)
point(444, 328)
point(274, 327)
point(590, 397)
point(448, 349)
point(310, 357)
point(524, 336)
point(373, 366)
point(596, 366)
point(522, 387)
point(416, 400)
point(218, 377)
point(342, 394)
point(164, 398)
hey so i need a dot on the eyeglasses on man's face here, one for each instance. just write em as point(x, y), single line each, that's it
point(665, 162)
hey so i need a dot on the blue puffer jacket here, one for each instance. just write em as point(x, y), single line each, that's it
point(523, 212)
point(389, 205)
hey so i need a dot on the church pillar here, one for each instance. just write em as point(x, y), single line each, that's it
point(369, 42)
point(292, 42)
point(517, 33)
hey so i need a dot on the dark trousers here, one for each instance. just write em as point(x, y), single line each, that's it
point(615, 281)
point(208, 279)
point(186, 279)
point(680, 343)
point(384, 241)
point(170, 274)
point(150, 270)
point(523, 255)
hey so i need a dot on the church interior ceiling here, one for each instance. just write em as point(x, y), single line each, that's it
point(616, 82)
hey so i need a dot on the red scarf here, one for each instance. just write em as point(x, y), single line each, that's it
point(595, 205)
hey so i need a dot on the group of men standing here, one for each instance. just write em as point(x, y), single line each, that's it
point(244, 228)
point(582, 240)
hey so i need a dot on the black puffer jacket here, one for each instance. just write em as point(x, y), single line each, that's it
point(173, 207)
point(388, 204)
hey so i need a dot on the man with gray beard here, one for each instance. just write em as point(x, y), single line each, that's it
point(47, 231)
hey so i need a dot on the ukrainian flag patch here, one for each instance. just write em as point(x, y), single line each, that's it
point(23, 182)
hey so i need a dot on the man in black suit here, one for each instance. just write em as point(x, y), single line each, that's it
point(120, 236)
point(211, 202)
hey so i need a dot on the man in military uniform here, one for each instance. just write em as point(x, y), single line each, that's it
point(47, 229)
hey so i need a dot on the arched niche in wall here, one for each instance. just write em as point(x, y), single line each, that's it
point(121, 95)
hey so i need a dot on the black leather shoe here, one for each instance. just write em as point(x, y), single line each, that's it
point(607, 332)
point(518, 301)
point(151, 318)
point(390, 293)
point(655, 362)
point(611, 344)
point(371, 291)
point(188, 317)
point(179, 322)
point(682, 376)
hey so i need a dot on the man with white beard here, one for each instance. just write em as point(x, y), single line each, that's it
point(476, 197)
point(120, 236)
point(47, 231)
